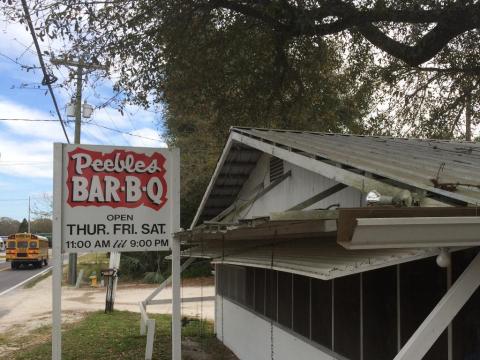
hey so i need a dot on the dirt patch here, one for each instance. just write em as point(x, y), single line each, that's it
point(195, 350)
point(23, 310)
point(188, 282)
point(201, 281)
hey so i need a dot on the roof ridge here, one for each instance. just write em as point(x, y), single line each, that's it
point(451, 141)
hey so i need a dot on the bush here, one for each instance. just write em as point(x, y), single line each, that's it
point(153, 278)
point(200, 268)
point(136, 265)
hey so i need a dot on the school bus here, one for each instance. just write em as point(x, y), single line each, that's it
point(26, 249)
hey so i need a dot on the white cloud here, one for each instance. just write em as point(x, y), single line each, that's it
point(40, 130)
point(26, 159)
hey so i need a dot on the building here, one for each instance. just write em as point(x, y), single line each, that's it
point(306, 270)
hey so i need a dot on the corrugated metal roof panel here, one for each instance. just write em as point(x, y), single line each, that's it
point(319, 259)
point(426, 164)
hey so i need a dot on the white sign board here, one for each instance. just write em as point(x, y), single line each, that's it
point(117, 198)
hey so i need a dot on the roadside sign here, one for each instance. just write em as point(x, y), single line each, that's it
point(116, 198)
point(111, 198)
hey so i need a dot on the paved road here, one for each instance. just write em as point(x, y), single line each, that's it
point(10, 278)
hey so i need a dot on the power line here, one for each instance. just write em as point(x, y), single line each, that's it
point(46, 77)
point(14, 199)
point(26, 164)
point(34, 120)
point(122, 132)
point(84, 123)
point(19, 63)
point(22, 199)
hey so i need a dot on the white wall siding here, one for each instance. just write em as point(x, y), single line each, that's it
point(248, 336)
point(300, 186)
point(258, 175)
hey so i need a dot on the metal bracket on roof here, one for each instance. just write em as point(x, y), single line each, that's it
point(318, 197)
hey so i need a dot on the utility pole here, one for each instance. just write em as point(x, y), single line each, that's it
point(80, 65)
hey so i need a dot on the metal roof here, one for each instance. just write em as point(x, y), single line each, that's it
point(311, 247)
point(432, 165)
point(322, 259)
point(444, 169)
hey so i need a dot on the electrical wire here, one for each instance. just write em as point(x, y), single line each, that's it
point(18, 62)
point(114, 124)
point(32, 120)
point(46, 76)
point(83, 123)
point(122, 132)
point(25, 163)
point(14, 199)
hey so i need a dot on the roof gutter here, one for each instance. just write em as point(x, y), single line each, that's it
point(414, 232)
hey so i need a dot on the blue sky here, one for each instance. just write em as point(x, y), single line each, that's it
point(26, 147)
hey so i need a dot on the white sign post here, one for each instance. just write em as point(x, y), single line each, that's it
point(109, 198)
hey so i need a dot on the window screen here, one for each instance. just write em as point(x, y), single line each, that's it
point(422, 285)
point(271, 294)
point(285, 299)
point(249, 287)
point(260, 291)
point(301, 305)
point(380, 314)
point(322, 312)
point(347, 316)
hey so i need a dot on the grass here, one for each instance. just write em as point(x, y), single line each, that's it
point(116, 336)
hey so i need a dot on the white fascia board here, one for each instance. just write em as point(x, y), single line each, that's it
point(357, 181)
point(384, 233)
point(218, 168)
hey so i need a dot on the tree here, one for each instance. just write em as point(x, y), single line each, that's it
point(413, 31)
point(346, 66)
point(23, 227)
point(8, 226)
point(42, 207)
point(41, 225)
point(433, 104)
point(212, 70)
point(437, 23)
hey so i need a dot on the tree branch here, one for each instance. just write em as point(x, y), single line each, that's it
point(334, 16)
point(425, 49)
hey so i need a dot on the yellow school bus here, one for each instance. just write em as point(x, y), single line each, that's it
point(26, 249)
